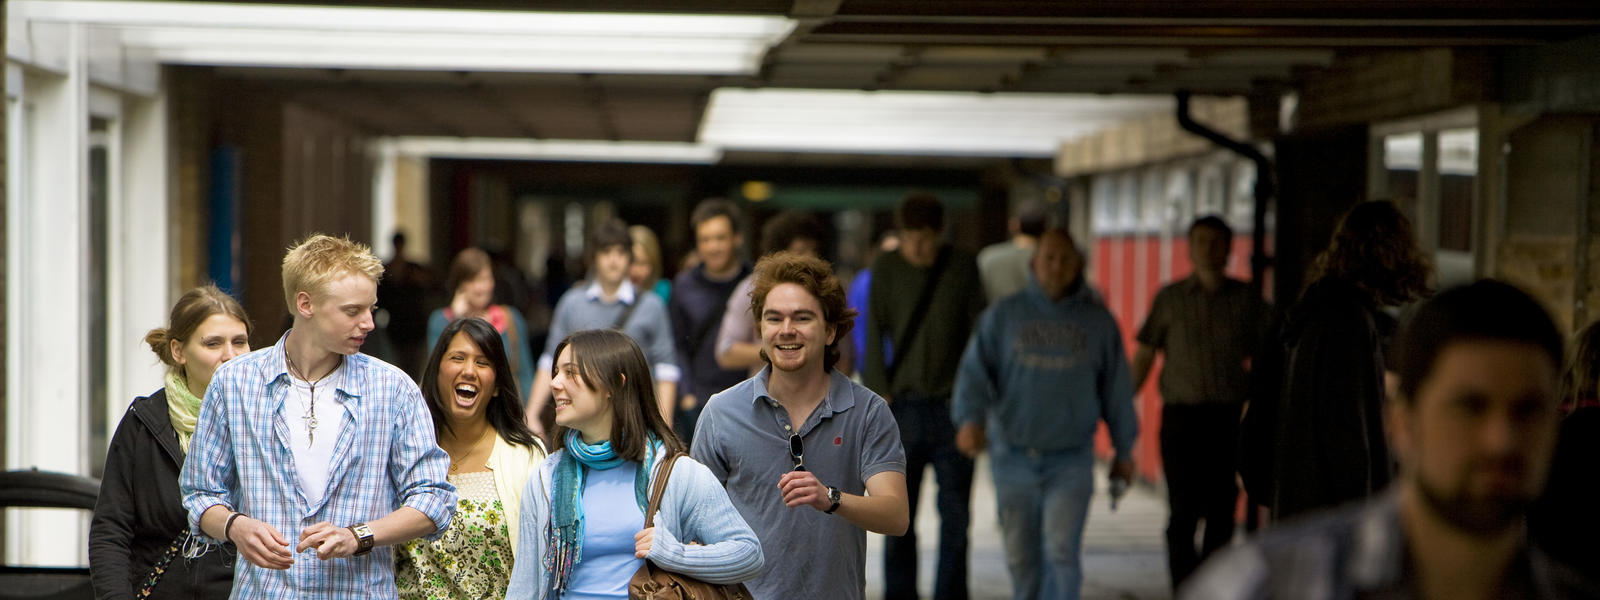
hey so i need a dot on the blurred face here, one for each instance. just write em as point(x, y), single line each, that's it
point(890, 243)
point(920, 247)
point(479, 291)
point(466, 380)
point(793, 332)
point(1208, 250)
point(1056, 264)
point(803, 245)
point(1476, 441)
point(639, 270)
point(579, 406)
point(611, 264)
point(340, 318)
point(715, 241)
point(217, 340)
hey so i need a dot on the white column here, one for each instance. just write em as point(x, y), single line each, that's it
point(46, 420)
point(383, 198)
point(138, 275)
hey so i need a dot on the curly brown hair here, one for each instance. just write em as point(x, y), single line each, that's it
point(816, 276)
point(1375, 250)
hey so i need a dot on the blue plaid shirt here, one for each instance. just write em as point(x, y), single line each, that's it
point(386, 457)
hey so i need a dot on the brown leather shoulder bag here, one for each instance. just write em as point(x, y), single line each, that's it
point(651, 582)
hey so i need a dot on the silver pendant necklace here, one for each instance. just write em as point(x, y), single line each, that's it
point(310, 417)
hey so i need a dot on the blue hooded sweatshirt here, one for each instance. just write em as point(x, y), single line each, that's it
point(1042, 372)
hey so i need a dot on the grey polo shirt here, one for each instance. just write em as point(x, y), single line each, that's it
point(1206, 338)
point(743, 436)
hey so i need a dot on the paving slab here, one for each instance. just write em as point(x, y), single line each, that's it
point(1124, 555)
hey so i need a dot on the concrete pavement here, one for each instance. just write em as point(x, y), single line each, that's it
point(1124, 555)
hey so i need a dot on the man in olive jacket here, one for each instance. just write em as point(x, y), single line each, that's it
point(916, 376)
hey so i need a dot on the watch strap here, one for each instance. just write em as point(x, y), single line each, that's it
point(364, 538)
point(835, 496)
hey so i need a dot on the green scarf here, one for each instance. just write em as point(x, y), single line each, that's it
point(182, 407)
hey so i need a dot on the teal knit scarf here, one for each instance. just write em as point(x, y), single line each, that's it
point(566, 500)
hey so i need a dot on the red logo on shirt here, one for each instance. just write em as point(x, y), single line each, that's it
point(838, 440)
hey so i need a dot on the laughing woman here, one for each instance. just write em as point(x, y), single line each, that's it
point(582, 527)
point(471, 391)
point(139, 528)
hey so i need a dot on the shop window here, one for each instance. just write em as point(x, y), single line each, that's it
point(1458, 178)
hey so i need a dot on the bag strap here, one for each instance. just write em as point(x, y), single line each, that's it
point(659, 489)
point(159, 568)
point(627, 311)
point(914, 324)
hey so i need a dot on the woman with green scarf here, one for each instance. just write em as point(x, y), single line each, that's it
point(582, 526)
point(139, 540)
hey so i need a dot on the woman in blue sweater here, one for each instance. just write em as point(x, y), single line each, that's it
point(582, 519)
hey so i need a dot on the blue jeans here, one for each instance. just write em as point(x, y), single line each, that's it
point(1043, 500)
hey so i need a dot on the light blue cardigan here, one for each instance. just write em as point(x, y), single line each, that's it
point(694, 508)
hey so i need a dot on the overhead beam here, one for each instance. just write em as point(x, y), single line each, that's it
point(1188, 34)
point(1228, 12)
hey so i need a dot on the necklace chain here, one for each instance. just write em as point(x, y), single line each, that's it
point(310, 417)
point(455, 465)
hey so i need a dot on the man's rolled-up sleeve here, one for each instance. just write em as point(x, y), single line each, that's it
point(210, 475)
point(417, 466)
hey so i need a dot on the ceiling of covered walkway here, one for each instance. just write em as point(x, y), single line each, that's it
point(450, 78)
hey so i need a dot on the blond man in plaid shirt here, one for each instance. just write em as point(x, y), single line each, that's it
point(310, 457)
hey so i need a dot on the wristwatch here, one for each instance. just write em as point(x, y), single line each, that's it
point(364, 539)
point(833, 496)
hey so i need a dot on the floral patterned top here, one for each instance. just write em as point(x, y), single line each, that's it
point(471, 559)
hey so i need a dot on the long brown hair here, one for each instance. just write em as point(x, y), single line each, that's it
point(611, 363)
point(192, 309)
point(1374, 249)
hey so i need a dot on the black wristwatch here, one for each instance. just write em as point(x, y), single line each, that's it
point(364, 541)
point(833, 496)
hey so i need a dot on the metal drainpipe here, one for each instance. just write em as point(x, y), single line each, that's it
point(1265, 189)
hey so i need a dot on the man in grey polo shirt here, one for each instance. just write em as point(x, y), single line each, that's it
point(1208, 326)
point(812, 521)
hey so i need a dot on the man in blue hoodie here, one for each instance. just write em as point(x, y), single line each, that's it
point(1043, 366)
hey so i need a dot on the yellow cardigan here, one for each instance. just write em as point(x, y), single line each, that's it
point(511, 466)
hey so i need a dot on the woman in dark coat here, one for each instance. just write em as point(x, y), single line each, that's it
point(1331, 446)
point(139, 540)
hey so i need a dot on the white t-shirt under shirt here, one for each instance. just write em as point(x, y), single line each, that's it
point(313, 452)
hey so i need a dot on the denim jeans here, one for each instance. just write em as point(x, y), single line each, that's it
point(1043, 500)
point(929, 438)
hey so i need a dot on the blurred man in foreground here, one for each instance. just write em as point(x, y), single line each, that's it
point(1473, 426)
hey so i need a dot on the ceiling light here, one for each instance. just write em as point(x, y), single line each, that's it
point(915, 123)
point(557, 150)
point(445, 39)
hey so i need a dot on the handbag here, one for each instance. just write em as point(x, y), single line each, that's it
point(651, 582)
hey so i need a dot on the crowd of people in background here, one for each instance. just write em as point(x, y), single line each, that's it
point(1398, 440)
